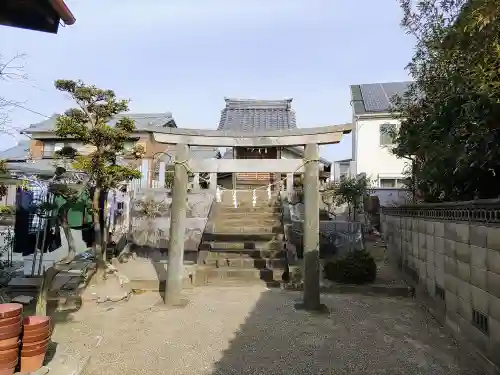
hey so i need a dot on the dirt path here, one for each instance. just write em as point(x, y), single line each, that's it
point(252, 330)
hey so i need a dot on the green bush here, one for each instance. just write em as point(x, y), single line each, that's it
point(7, 209)
point(357, 267)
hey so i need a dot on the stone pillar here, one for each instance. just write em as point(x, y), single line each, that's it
point(161, 174)
point(175, 268)
point(311, 231)
point(289, 185)
point(196, 181)
point(145, 173)
point(213, 181)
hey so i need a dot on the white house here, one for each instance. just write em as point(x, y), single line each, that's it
point(371, 146)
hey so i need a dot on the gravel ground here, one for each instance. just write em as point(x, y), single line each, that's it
point(252, 330)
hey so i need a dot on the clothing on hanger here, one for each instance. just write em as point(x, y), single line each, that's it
point(52, 239)
point(88, 234)
point(79, 212)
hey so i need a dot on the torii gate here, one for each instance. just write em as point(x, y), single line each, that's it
point(311, 138)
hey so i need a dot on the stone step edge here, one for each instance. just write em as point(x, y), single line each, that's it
point(208, 272)
point(221, 246)
point(240, 234)
point(240, 237)
point(281, 263)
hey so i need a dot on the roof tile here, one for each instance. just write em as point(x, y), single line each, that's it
point(143, 121)
point(250, 115)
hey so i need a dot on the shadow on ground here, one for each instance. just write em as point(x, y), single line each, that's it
point(360, 335)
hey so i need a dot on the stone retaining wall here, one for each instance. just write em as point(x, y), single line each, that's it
point(155, 233)
point(345, 236)
point(452, 251)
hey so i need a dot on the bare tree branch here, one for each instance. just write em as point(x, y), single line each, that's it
point(10, 69)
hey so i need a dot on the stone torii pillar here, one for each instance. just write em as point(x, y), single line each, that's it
point(175, 267)
point(311, 137)
point(311, 296)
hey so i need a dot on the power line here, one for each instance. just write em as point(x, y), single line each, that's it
point(124, 114)
point(28, 109)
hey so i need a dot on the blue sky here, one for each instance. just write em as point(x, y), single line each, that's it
point(185, 56)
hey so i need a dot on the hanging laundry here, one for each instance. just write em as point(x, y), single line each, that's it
point(22, 241)
point(88, 234)
point(52, 240)
point(79, 212)
point(111, 209)
point(30, 227)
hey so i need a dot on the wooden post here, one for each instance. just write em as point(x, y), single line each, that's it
point(175, 268)
point(311, 231)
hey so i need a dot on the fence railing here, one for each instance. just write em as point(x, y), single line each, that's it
point(479, 211)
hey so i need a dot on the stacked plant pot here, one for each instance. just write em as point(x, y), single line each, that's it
point(35, 340)
point(10, 330)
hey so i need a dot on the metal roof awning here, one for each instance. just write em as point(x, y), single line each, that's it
point(38, 15)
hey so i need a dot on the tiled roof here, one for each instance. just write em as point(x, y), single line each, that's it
point(376, 97)
point(143, 122)
point(250, 115)
point(253, 115)
point(18, 152)
point(43, 167)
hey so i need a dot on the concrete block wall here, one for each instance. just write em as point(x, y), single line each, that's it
point(458, 264)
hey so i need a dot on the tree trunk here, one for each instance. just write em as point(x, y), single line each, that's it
point(50, 274)
point(98, 232)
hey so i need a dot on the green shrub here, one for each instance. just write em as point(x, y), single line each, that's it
point(7, 209)
point(357, 267)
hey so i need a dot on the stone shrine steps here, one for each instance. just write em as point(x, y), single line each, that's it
point(245, 244)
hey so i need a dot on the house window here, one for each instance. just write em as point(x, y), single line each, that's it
point(50, 147)
point(343, 169)
point(387, 182)
point(402, 183)
point(385, 136)
point(393, 183)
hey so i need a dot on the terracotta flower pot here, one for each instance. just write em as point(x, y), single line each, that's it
point(28, 352)
point(8, 368)
point(9, 321)
point(10, 331)
point(8, 356)
point(13, 333)
point(10, 343)
point(37, 332)
point(10, 364)
point(10, 310)
point(8, 371)
point(31, 339)
point(31, 363)
point(32, 323)
point(35, 345)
